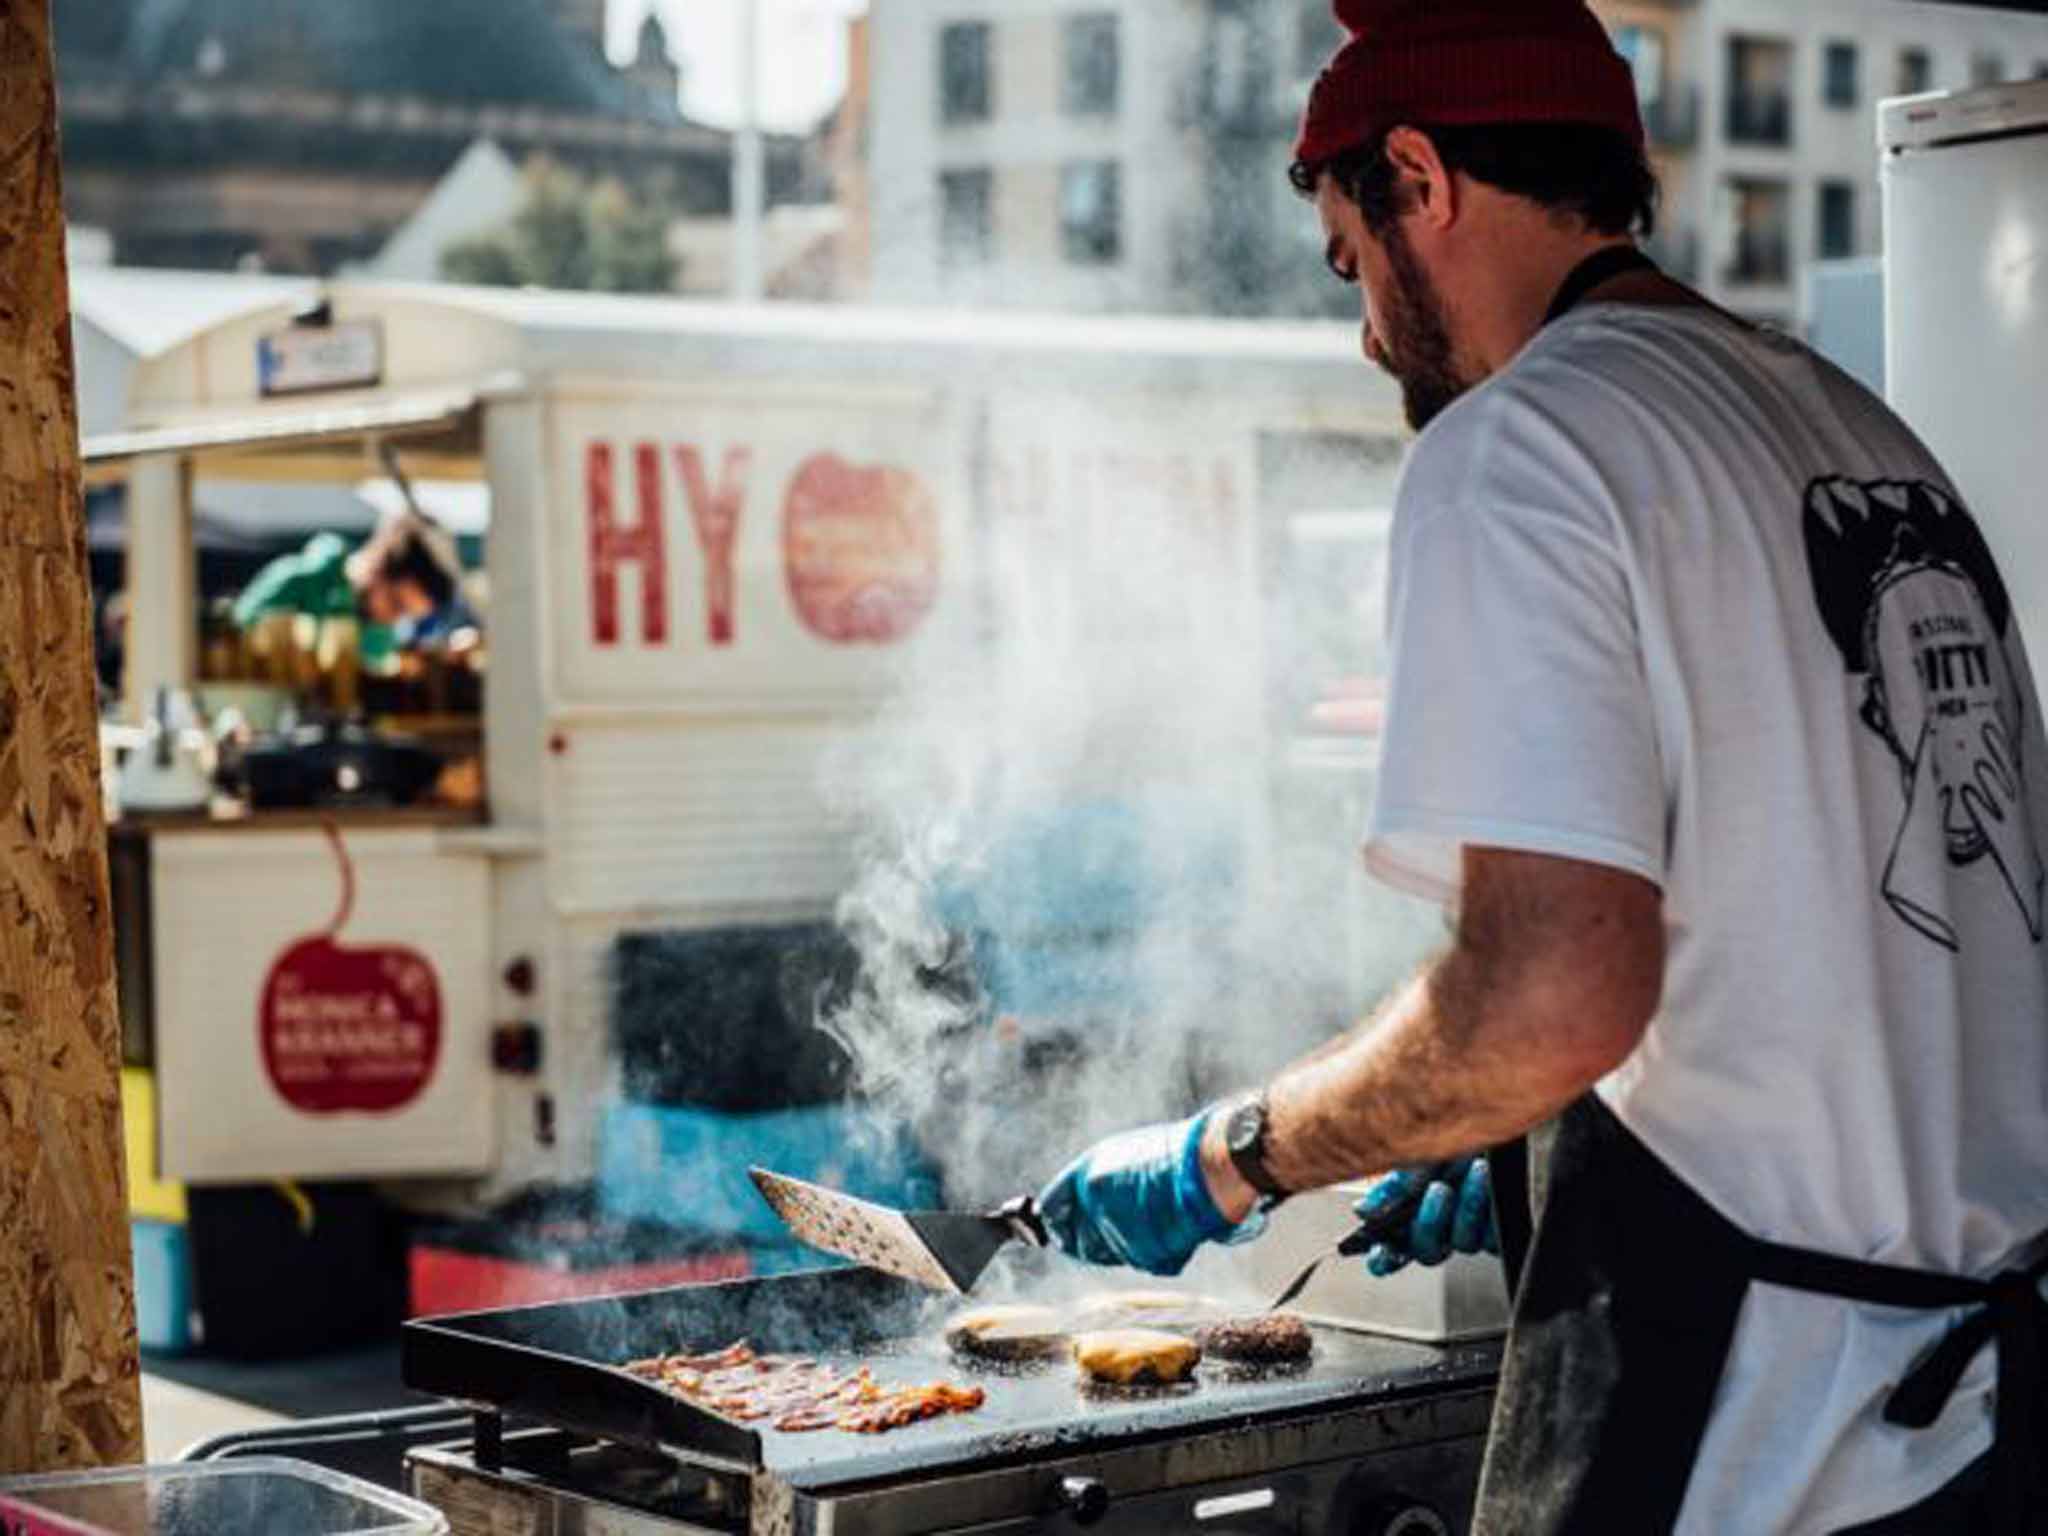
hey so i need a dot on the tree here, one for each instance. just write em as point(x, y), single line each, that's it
point(571, 233)
point(628, 242)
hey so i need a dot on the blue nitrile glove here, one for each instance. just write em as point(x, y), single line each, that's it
point(1455, 1216)
point(1137, 1198)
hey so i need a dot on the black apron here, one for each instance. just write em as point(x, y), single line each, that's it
point(1627, 1288)
point(1625, 1308)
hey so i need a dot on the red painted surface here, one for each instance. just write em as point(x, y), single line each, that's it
point(860, 550)
point(448, 1280)
point(644, 544)
point(349, 1027)
point(18, 1519)
point(715, 513)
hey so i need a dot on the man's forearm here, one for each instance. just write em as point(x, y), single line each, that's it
point(1407, 1086)
point(1524, 1013)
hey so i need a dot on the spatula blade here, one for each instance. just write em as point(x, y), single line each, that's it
point(911, 1245)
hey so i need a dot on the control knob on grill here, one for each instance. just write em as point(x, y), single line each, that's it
point(1085, 1498)
point(1402, 1517)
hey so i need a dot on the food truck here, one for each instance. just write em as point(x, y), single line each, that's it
point(714, 535)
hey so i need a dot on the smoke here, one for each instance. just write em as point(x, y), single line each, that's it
point(1101, 879)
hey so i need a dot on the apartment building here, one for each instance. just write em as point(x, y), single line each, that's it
point(1026, 152)
point(1131, 154)
point(1762, 122)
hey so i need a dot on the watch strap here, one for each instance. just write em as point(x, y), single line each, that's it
point(1245, 1137)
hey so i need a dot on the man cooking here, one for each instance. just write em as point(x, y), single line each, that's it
point(1710, 719)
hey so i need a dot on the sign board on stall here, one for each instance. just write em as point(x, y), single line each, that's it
point(321, 1004)
point(348, 354)
point(777, 553)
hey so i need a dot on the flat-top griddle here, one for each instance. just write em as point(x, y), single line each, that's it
point(560, 1364)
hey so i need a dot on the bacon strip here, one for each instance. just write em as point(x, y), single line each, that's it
point(800, 1396)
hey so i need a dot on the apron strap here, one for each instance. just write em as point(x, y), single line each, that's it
point(1604, 264)
point(1514, 1219)
point(2010, 1315)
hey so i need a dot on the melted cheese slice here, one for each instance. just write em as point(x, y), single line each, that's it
point(1131, 1356)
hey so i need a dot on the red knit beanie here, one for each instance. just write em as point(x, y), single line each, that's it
point(1466, 62)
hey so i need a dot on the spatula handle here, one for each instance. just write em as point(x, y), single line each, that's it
point(1026, 1225)
point(1376, 1228)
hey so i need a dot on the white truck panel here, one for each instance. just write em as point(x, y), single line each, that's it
point(700, 820)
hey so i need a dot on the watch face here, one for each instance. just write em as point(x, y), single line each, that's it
point(1247, 1124)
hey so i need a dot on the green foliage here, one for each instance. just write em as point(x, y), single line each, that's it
point(572, 233)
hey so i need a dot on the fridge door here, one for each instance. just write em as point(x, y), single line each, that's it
point(1965, 180)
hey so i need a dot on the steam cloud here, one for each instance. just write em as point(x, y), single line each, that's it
point(1091, 891)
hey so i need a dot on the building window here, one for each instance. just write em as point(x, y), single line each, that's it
point(1837, 219)
point(1317, 36)
point(1916, 72)
point(964, 72)
point(1759, 91)
point(1838, 86)
point(1091, 212)
point(1089, 84)
point(1762, 247)
point(966, 217)
point(1986, 69)
point(1643, 48)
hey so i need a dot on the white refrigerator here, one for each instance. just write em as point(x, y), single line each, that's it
point(1965, 183)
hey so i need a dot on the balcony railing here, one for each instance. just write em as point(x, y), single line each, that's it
point(1672, 119)
point(1759, 117)
point(1760, 258)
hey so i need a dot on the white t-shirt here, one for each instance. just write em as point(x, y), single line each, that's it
point(1681, 598)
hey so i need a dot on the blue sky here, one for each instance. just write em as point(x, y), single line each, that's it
point(803, 63)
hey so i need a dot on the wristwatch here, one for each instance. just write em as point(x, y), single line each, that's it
point(1244, 1135)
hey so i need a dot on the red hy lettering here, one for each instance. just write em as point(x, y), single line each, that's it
point(715, 514)
point(611, 546)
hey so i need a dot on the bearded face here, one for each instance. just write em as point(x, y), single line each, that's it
point(1413, 332)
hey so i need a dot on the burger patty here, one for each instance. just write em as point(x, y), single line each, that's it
point(1269, 1338)
point(1135, 1357)
point(1007, 1332)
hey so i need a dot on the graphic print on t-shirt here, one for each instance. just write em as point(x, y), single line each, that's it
point(1909, 592)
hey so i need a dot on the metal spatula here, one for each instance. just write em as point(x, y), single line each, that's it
point(1376, 1228)
point(946, 1250)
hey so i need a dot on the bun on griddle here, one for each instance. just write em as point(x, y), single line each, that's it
point(1007, 1331)
point(1172, 1311)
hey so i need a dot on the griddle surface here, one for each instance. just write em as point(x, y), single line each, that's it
point(560, 1364)
point(1030, 1411)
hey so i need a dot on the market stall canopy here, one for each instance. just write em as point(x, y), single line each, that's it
point(314, 440)
point(244, 517)
point(121, 316)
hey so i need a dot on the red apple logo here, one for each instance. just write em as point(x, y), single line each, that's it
point(860, 550)
point(349, 1029)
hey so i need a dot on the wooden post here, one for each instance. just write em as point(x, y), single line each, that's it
point(69, 1387)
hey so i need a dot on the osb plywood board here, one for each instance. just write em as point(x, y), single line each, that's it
point(68, 1370)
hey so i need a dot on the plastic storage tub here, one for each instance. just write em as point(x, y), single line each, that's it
point(259, 1496)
